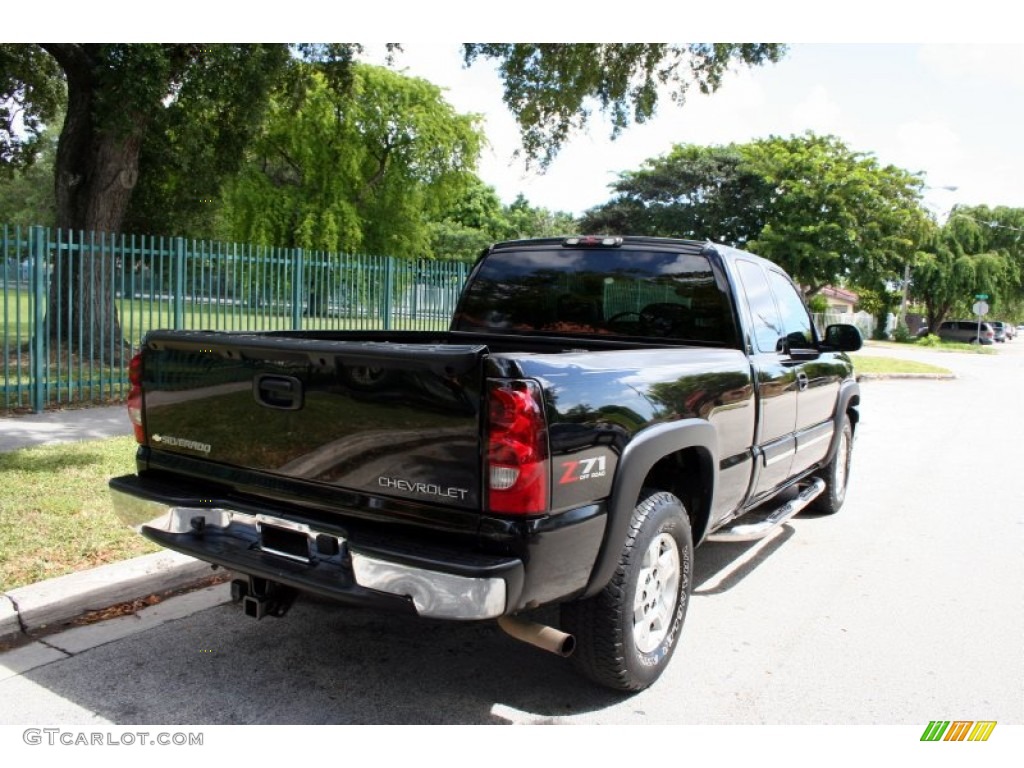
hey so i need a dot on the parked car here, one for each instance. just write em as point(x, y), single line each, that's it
point(967, 331)
point(999, 329)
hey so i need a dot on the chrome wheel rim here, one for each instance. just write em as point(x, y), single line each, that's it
point(654, 604)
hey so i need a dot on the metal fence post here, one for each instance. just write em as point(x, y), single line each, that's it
point(178, 295)
point(37, 361)
point(389, 290)
point(297, 279)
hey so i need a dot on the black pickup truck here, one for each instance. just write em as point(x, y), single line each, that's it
point(598, 407)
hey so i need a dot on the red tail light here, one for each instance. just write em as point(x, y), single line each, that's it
point(135, 398)
point(517, 449)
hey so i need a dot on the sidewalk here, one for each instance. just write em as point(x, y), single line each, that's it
point(52, 427)
point(37, 607)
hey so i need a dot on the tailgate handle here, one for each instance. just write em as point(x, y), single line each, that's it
point(282, 392)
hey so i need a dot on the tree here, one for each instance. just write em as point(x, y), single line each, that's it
point(26, 196)
point(834, 214)
point(364, 169)
point(118, 97)
point(967, 256)
point(552, 87)
point(824, 212)
point(692, 192)
point(479, 219)
point(32, 95)
point(523, 220)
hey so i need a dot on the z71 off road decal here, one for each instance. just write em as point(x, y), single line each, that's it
point(582, 469)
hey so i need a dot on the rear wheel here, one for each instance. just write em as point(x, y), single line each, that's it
point(627, 633)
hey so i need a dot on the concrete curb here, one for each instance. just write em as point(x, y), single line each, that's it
point(38, 606)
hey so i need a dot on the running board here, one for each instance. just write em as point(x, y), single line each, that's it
point(768, 523)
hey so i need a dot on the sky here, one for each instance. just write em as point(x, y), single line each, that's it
point(952, 111)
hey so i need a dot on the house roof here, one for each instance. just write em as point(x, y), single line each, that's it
point(830, 292)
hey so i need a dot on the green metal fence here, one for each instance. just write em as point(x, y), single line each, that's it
point(61, 345)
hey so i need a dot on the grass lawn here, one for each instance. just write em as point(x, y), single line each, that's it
point(937, 345)
point(55, 510)
point(138, 316)
point(869, 364)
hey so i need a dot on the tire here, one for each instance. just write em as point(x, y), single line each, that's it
point(836, 474)
point(652, 582)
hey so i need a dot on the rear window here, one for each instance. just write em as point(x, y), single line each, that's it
point(614, 292)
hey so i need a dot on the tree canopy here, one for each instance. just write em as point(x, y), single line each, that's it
point(824, 212)
point(693, 192)
point(977, 250)
point(552, 88)
point(478, 219)
point(359, 169)
point(835, 214)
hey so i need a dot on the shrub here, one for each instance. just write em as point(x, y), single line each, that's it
point(902, 333)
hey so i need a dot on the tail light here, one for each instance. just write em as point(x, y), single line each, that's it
point(517, 449)
point(135, 398)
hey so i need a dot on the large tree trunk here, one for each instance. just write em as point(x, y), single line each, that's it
point(96, 169)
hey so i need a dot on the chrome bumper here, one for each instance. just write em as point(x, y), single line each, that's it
point(239, 536)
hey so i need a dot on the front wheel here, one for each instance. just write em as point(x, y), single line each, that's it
point(626, 634)
point(837, 474)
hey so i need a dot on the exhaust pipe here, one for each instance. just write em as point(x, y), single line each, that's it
point(543, 637)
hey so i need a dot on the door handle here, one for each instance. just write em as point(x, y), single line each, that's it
point(802, 381)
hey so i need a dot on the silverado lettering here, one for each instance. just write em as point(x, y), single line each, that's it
point(180, 442)
point(598, 409)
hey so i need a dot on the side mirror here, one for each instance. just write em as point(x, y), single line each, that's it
point(843, 338)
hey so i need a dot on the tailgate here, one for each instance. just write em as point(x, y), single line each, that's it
point(388, 419)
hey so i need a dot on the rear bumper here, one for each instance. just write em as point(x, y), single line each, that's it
point(428, 581)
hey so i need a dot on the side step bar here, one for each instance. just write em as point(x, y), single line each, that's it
point(767, 524)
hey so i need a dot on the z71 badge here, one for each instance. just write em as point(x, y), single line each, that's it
point(582, 469)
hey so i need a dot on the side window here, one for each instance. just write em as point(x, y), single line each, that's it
point(796, 323)
point(767, 324)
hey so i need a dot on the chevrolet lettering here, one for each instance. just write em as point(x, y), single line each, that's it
point(600, 411)
point(427, 489)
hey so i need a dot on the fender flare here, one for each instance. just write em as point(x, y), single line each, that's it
point(848, 393)
point(645, 450)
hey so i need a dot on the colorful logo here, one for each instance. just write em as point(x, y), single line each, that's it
point(958, 730)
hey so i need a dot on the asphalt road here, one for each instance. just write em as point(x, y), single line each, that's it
point(905, 607)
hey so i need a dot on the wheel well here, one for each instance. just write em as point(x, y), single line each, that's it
point(688, 475)
point(852, 412)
